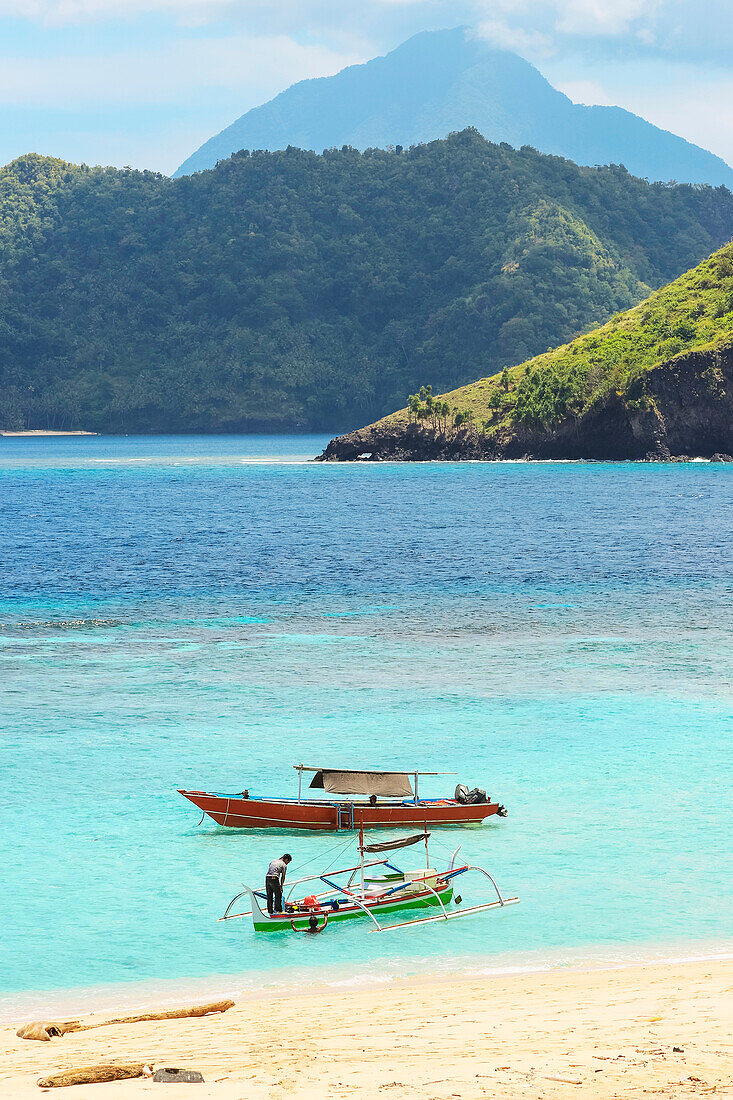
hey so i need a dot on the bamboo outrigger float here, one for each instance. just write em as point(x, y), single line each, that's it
point(386, 799)
point(368, 893)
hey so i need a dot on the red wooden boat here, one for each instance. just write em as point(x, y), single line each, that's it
point(387, 799)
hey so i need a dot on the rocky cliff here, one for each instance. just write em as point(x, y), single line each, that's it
point(685, 408)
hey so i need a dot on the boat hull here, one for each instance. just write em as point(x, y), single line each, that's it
point(281, 922)
point(235, 812)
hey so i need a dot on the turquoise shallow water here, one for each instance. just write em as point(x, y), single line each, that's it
point(205, 612)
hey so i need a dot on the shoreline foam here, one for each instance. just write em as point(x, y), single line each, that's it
point(248, 986)
point(34, 433)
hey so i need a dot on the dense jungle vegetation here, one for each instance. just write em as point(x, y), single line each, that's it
point(293, 291)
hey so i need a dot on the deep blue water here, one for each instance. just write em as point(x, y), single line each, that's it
point(205, 612)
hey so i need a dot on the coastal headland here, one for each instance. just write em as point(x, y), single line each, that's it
point(655, 382)
point(688, 413)
point(661, 1029)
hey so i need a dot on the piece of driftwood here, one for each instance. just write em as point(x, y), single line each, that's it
point(45, 1031)
point(92, 1075)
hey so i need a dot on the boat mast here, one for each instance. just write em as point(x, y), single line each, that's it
point(300, 781)
point(417, 800)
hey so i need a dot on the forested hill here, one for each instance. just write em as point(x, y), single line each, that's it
point(289, 290)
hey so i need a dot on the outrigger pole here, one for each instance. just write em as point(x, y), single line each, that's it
point(472, 909)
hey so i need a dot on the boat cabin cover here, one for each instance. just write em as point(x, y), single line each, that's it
point(386, 784)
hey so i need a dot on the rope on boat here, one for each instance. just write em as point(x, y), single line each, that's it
point(338, 848)
point(443, 848)
point(342, 847)
point(203, 815)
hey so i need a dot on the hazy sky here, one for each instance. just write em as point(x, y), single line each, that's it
point(144, 82)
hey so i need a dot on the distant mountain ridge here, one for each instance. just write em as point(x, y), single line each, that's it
point(443, 81)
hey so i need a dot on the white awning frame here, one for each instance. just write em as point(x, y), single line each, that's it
point(365, 781)
point(372, 771)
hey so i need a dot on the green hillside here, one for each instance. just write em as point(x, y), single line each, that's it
point(694, 313)
point(294, 291)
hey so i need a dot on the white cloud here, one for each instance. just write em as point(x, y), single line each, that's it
point(259, 66)
point(683, 29)
point(590, 92)
point(679, 28)
point(601, 17)
point(296, 16)
point(59, 12)
point(505, 37)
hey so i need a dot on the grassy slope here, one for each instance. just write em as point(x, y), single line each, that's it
point(690, 314)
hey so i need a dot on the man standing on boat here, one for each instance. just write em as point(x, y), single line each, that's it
point(274, 882)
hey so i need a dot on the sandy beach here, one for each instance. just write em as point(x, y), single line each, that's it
point(600, 1033)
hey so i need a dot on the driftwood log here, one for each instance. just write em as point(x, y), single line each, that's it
point(47, 1030)
point(93, 1075)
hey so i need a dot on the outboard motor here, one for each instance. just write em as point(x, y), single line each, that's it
point(476, 796)
point(469, 798)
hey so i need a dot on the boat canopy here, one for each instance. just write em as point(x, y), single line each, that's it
point(387, 784)
point(390, 845)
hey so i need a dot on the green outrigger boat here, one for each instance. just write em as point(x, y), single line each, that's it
point(372, 889)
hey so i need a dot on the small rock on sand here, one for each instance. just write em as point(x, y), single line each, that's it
point(178, 1076)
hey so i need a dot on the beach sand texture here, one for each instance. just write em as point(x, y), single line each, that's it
point(602, 1033)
